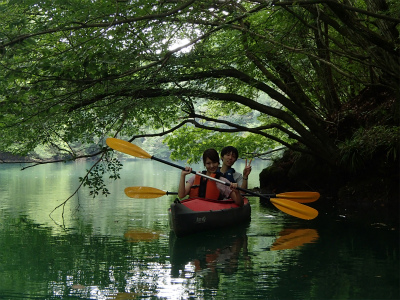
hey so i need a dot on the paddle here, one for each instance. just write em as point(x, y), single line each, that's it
point(143, 192)
point(290, 207)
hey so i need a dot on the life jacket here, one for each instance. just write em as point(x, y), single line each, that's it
point(205, 188)
point(229, 175)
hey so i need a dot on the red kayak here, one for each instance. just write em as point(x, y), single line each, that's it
point(199, 214)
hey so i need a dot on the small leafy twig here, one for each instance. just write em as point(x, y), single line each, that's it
point(94, 177)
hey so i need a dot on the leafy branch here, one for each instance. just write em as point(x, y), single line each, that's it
point(94, 179)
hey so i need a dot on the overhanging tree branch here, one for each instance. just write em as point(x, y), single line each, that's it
point(266, 135)
point(176, 10)
point(336, 3)
point(257, 130)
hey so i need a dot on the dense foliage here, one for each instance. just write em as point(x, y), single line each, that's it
point(254, 74)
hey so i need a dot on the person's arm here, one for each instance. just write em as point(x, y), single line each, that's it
point(245, 180)
point(184, 188)
point(240, 181)
point(246, 173)
point(235, 195)
point(238, 178)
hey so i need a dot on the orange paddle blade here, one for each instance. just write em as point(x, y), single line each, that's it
point(302, 197)
point(295, 209)
point(127, 148)
point(142, 192)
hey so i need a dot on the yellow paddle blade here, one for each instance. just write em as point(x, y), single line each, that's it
point(127, 148)
point(295, 209)
point(143, 192)
point(302, 197)
point(301, 200)
point(294, 238)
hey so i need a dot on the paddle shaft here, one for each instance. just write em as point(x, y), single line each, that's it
point(149, 192)
point(209, 177)
point(245, 195)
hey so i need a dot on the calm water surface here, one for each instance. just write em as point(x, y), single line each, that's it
point(120, 248)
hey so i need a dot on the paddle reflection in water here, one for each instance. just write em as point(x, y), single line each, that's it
point(141, 235)
point(294, 238)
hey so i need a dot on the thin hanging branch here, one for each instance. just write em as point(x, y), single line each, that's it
point(78, 188)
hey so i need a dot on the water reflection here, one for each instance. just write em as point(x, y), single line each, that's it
point(207, 254)
point(121, 248)
point(294, 238)
point(146, 262)
point(141, 235)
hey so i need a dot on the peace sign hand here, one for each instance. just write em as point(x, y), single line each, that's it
point(247, 168)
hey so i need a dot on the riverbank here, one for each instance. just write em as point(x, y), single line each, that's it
point(371, 196)
point(363, 177)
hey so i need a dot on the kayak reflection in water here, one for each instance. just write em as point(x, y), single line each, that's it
point(209, 255)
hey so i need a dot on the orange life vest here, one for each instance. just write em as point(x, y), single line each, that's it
point(205, 188)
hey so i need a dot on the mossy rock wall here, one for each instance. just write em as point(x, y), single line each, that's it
point(298, 172)
point(371, 195)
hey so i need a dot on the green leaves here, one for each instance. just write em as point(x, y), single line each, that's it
point(188, 143)
point(256, 75)
point(94, 178)
point(368, 144)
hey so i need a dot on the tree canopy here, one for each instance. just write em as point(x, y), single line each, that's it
point(254, 74)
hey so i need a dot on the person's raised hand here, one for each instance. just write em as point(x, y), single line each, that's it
point(247, 168)
point(187, 171)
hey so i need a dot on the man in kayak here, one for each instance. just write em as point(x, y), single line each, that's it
point(229, 156)
point(198, 186)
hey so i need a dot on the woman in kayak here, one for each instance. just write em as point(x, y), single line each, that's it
point(199, 186)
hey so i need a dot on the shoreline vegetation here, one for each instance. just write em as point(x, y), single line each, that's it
point(365, 180)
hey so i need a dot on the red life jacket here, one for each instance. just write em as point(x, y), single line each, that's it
point(205, 188)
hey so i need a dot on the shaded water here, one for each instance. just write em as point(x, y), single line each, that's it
point(120, 248)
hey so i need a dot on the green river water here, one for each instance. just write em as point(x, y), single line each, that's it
point(116, 247)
